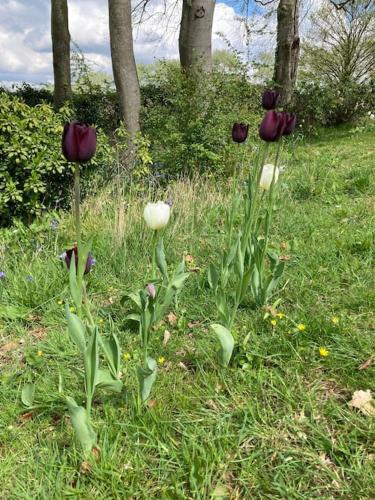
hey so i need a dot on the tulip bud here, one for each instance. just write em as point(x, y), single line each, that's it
point(68, 254)
point(270, 99)
point(239, 132)
point(157, 214)
point(151, 290)
point(267, 174)
point(290, 123)
point(272, 126)
point(78, 142)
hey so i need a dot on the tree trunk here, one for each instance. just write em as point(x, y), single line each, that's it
point(196, 34)
point(287, 48)
point(123, 64)
point(61, 52)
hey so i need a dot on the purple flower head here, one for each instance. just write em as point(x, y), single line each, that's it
point(29, 278)
point(272, 126)
point(270, 99)
point(169, 202)
point(78, 142)
point(54, 224)
point(68, 255)
point(239, 132)
point(151, 290)
point(290, 123)
point(2, 275)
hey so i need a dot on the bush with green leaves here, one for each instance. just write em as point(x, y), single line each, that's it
point(188, 118)
point(34, 175)
point(322, 104)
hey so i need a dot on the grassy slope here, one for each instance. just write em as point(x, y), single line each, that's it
point(276, 424)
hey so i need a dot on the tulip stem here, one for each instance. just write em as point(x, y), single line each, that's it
point(77, 202)
point(154, 242)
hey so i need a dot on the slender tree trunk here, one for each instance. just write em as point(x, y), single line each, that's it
point(287, 48)
point(123, 63)
point(61, 52)
point(196, 34)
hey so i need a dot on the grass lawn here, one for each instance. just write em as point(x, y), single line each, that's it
point(276, 423)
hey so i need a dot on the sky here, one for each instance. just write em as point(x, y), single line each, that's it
point(25, 40)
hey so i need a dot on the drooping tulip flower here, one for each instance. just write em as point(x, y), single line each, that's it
point(266, 176)
point(290, 123)
point(151, 290)
point(270, 99)
point(78, 142)
point(67, 257)
point(157, 214)
point(239, 132)
point(272, 126)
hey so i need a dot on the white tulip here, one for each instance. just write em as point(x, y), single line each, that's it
point(267, 174)
point(157, 214)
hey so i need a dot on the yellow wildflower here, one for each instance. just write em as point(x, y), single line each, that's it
point(323, 352)
point(301, 327)
point(59, 302)
point(126, 356)
point(39, 353)
point(101, 321)
point(280, 315)
point(335, 320)
point(72, 309)
point(161, 360)
point(273, 322)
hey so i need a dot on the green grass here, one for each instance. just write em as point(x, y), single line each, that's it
point(276, 424)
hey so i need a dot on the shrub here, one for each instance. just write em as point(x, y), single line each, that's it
point(33, 173)
point(328, 105)
point(188, 119)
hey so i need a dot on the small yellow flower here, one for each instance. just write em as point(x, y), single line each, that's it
point(335, 320)
point(161, 360)
point(59, 302)
point(280, 315)
point(273, 322)
point(301, 327)
point(39, 353)
point(101, 321)
point(72, 309)
point(126, 356)
point(323, 352)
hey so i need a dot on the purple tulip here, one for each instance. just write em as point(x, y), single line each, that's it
point(78, 142)
point(290, 123)
point(151, 290)
point(67, 256)
point(272, 126)
point(239, 132)
point(270, 99)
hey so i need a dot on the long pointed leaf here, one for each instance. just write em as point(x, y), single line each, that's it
point(227, 343)
point(84, 432)
point(146, 378)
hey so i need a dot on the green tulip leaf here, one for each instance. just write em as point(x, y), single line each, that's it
point(83, 253)
point(76, 330)
point(134, 298)
point(160, 258)
point(91, 361)
point(106, 381)
point(28, 394)
point(146, 378)
point(111, 351)
point(227, 343)
point(84, 432)
point(213, 277)
point(75, 289)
